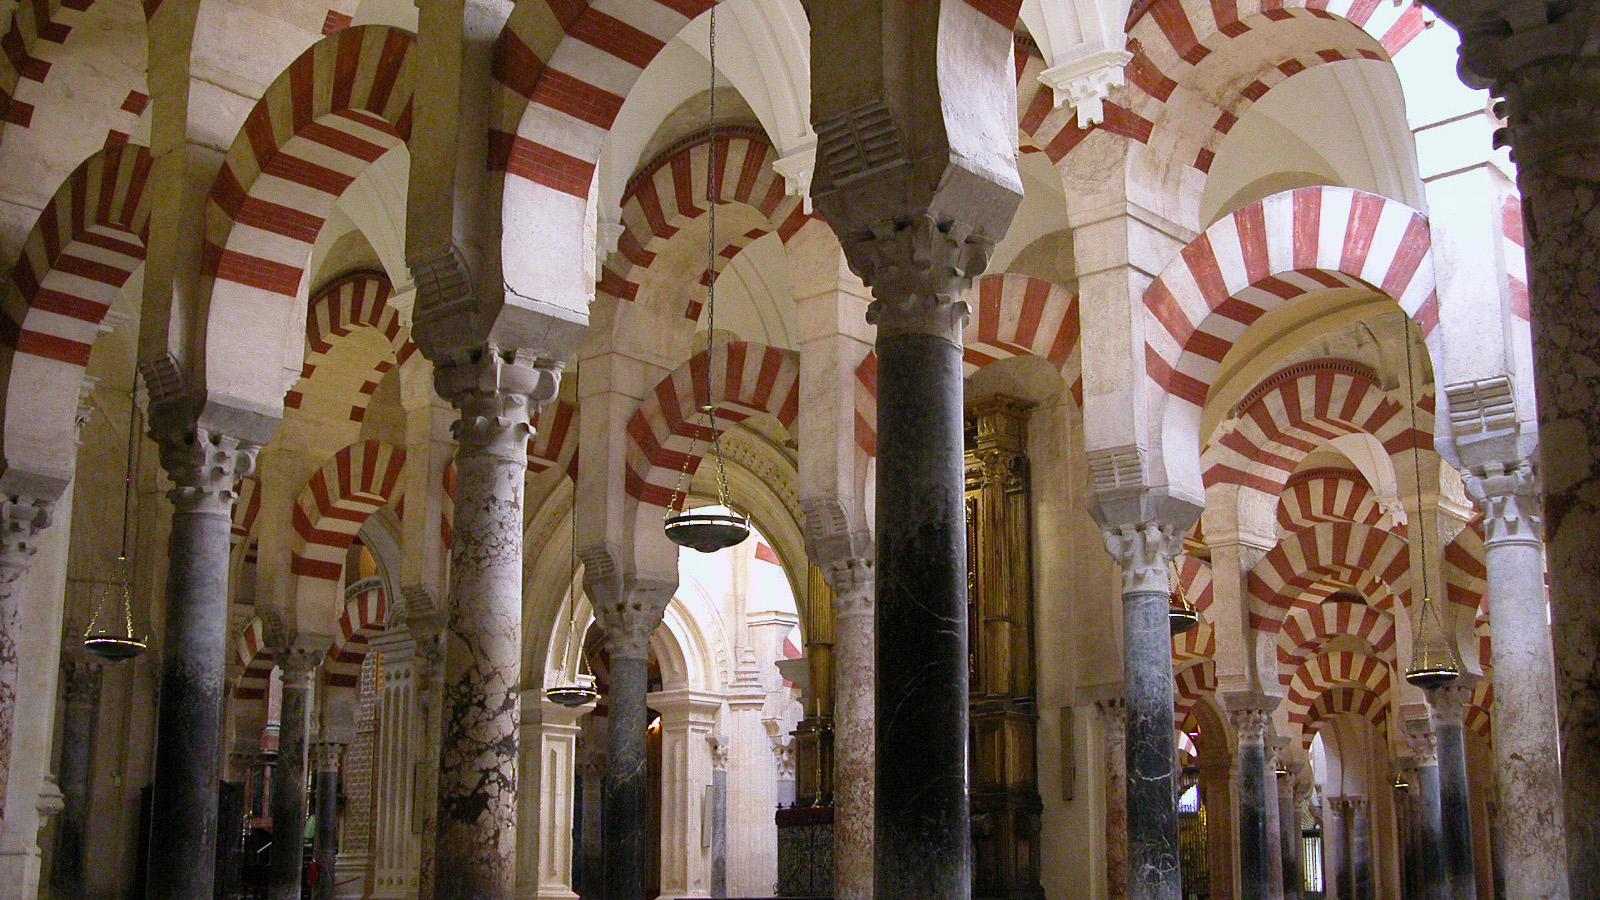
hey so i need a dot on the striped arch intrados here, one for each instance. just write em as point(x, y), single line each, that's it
point(1307, 630)
point(1466, 571)
point(359, 300)
point(1314, 496)
point(1348, 698)
point(1332, 669)
point(1191, 684)
point(255, 661)
point(345, 102)
point(1199, 642)
point(337, 500)
point(743, 378)
point(364, 616)
point(1270, 253)
point(1335, 555)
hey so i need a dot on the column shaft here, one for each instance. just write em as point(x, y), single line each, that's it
point(1361, 851)
point(1274, 829)
point(289, 777)
point(21, 520)
point(1254, 859)
point(82, 678)
point(1531, 841)
point(923, 837)
point(627, 781)
point(1335, 850)
point(183, 833)
point(1430, 831)
point(325, 849)
point(1455, 807)
point(853, 728)
point(1289, 837)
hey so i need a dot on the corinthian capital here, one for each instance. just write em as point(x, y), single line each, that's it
point(917, 269)
point(203, 464)
point(497, 392)
point(1509, 499)
point(1144, 550)
point(21, 520)
point(628, 609)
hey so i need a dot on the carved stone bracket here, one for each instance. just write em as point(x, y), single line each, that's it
point(1087, 80)
point(22, 519)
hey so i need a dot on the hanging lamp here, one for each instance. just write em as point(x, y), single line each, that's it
point(1181, 614)
point(110, 634)
point(1433, 659)
point(576, 692)
point(711, 528)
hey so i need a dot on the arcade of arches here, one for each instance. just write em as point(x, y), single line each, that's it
point(355, 353)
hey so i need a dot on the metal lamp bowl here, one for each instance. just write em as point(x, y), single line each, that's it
point(707, 532)
point(1433, 677)
point(572, 695)
point(113, 647)
point(1180, 619)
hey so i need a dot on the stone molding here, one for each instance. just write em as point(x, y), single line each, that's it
point(1509, 498)
point(1086, 81)
point(1144, 551)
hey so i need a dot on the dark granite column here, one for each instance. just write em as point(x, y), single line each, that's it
point(1428, 840)
point(1361, 849)
point(325, 849)
point(1250, 714)
point(1405, 821)
point(80, 676)
point(295, 667)
point(205, 467)
point(497, 392)
point(1336, 849)
point(628, 611)
point(1275, 746)
point(1144, 551)
point(1542, 58)
point(1447, 706)
point(1289, 836)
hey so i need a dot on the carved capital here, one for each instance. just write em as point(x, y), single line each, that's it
point(852, 583)
point(497, 391)
point(329, 755)
point(22, 519)
point(80, 672)
point(297, 657)
point(1448, 705)
point(917, 269)
point(204, 465)
point(628, 609)
point(719, 751)
point(1144, 552)
point(1509, 499)
point(1424, 745)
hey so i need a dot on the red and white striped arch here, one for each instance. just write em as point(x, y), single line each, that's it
point(246, 507)
point(1054, 130)
point(1332, 669)
point(1299, 409)
point(34, 30)
point(1012, 315)
point(673, 190)
point(1372, 561)
point(1269, 253)
point(255, 661)
point(1466, 570)
point(336, 501)
point(1345, 699)
point(744, 379)
point(340, 106)
point(1514, 246)
point(1199, 642)
point(358, 300)
point(1191, 684)
point(1195, 576)
point(1307, 630)
point(364, 615)
point(1320, 495)
point(1479, 718)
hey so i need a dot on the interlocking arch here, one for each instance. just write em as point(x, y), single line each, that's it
point(1316, 496)
point(364, 616)
point(1369, 560)
point(336, 501)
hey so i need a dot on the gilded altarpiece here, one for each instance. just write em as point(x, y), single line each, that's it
point(1006, 807)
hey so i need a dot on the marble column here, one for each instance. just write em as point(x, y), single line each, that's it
point(1289, 837)
point(497, 393)
point(1428, 839)
point(1540, 57)
point(204, 468)
point(395, 861)
point(627, 611)
point(1532, 840)
point(1144, 551)
point(81, 678)
point(1336, 880)
point(589, 879)
point(1446, 707)
point(1360, 832)
point(1250, 714)
point(325, 849)
point(1114, 728)
point(1275, 849)
point(853, 728)
point(21, 520)
point(296, 665)
point(719, 814)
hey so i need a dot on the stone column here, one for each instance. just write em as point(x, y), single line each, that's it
point(325, 849)
point(1289, 836)
point(1113, 721)
point(1144, 551)
point(394, 834)
point(1275, 849)
point(853, 727)
point(687, 718)
point(1541, 58)
point(1446, 707)
point(204, 467)
point(719, 814)
point(1360, 831)
point(497, 392)
point(1249, 714)
point(21, 521)
point(1531, 835)
point(1428, 840)
point(81, 677)
point(296, 664)
point(589, 879)
point(628, 611)
point(549, 769)
point(1336, 881)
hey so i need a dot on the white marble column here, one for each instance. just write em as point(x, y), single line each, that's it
point(549, 768)
point(687, 719)
point(396, 860)
point(497, 392)
point(1532, 840)
point(853, 727)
